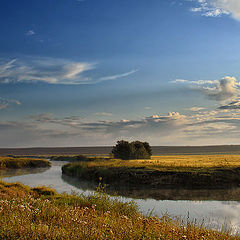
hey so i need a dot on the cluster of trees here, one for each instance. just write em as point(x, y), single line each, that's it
point(132, 150)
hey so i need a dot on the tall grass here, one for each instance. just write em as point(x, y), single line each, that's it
point(10, 162)
point(29, 214)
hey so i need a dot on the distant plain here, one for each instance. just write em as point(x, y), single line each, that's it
point(157, 150)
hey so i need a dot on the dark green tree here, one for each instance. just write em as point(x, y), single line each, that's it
point(133, 150)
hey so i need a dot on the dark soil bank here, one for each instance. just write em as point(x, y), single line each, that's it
point(192, 179)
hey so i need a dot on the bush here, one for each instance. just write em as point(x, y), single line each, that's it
point(133, 150)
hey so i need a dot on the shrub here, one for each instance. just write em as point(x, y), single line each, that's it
point(133, 150)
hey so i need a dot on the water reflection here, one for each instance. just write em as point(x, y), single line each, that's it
point(22, 171)
point(137, 191)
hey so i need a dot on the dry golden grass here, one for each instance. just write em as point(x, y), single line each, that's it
point(24, 214)
point(162, 162)
point(10, 162)
point(192, 161)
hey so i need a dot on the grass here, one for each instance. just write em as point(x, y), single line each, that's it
point(196, 171)
point(27, 213)
point(11, 162)
point(173, 162)
point(76, 158)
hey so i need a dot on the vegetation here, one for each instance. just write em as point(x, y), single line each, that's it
point(27, 213)
point(75, 158)
point(134, 150)
point(163, 171)
point(12, 162)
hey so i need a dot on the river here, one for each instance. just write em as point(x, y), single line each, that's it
point(214, 214)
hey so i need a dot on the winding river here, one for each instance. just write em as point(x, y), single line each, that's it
point(214, 214)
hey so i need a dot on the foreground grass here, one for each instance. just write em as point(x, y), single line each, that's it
point(196, 171)
point(11, 162)
point(41, 213)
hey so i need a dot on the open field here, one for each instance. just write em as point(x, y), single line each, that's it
point(193, 171)
point(41, 213)
point(157, 150)
point(10, 162)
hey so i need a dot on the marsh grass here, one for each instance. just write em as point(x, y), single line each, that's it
point(11, 162)
point(171, 162)
point(29, 214)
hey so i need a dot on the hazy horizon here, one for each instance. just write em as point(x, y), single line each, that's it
point(90, 73)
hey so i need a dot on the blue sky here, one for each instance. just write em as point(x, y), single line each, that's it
point(91, 72)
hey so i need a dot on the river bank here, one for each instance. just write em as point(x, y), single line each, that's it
point(43, 214)
point(16, 163)
point(170, 172)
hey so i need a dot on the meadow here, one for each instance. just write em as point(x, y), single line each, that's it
point(172, 162)
point(41, 213)
point(20, 162)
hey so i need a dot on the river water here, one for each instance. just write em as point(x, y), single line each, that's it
point(214, 214)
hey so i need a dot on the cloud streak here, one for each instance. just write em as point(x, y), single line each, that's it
point(231, 105)
point(52, 71)
point(113, 77)
point(48, 70)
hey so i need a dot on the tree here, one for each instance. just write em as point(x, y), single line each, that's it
point(133, 150)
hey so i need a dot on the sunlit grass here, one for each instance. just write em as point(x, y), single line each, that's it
point(164, 162)
point(28, 214)
point(10, 162)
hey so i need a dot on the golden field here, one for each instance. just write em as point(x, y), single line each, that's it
point(178, 161)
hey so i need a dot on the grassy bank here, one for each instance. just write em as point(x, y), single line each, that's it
point(41, 213)
point(77, 158)
point(13, 163)
point(197, 171)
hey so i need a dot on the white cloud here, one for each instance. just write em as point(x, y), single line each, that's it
point(113, 77)
point(5, 103)
point(104, 114)
point(30, 33)
point(215, 8)
point(228, 88)
point(196, 109)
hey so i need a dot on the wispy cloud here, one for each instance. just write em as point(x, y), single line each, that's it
point(5, 103)
point(113, 77)
point(51, 70)
point(215, 8)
